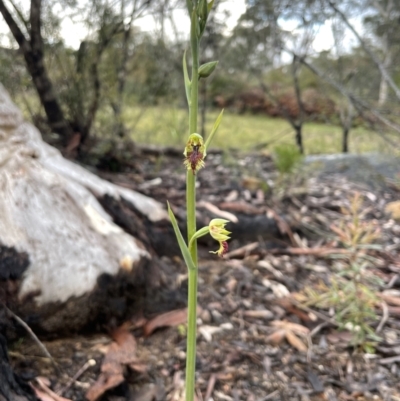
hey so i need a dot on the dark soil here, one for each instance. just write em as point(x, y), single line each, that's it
point(242, 295)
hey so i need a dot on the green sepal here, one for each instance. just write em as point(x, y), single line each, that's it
point(207, 69)
point(214, 129)
point(182, 244)
point(188, 84)
point(189, 5)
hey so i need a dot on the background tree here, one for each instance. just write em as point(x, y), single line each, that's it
point(28, 34)
point(74, 89)
point(383, 20)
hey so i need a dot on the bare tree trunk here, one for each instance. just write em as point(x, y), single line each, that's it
point(345, 142)
point(121, 73)
point(121, 83)
point(346, 120)
point(32, 50)
point(300, 120)
point(387, 62)
point(104, 41)
point(299, 137)
point(358, 104)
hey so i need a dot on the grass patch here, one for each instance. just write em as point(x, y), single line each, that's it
point(167, 126)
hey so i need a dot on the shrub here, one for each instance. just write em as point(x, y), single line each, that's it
point(287, 157)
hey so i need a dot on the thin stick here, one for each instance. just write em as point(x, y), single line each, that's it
point(72, 380)
point(385, 317)
point(243, 250)
point(210, 386)
point(32, 334)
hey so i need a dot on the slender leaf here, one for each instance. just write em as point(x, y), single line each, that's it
point(214, 129)
point(182, 244)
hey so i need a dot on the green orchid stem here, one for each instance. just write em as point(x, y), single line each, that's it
point(191, 220)
point(191, 336)
point(192, 289)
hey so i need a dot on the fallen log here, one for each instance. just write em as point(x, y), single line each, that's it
point(64, 264)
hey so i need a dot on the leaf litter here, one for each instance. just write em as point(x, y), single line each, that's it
point(255, 341)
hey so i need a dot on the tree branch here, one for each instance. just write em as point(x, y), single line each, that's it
point(373, 56)
point(35, 32)
point(358, 104)
point(20, 15)
point(14, 28)
point(94, 104)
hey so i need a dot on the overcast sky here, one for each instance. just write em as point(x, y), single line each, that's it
point(73, 32)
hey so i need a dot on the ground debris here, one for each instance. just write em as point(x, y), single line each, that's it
point(255, 340)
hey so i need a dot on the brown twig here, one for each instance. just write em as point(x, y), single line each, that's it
point(32, 334)
point(72, 380)
point(242, 251)
point(385, 317)
point(323, 251)
point(320, 315)
point(210, 386)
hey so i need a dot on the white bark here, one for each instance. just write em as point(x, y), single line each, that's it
point(48, 208)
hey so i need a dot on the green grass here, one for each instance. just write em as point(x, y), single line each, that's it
point(167, 126)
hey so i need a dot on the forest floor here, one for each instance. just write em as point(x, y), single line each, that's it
point(260, 336)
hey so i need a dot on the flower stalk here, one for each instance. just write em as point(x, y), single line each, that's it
point(195, 152)
point(191, 215)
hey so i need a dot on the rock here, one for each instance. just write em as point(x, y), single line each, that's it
point(370, 169)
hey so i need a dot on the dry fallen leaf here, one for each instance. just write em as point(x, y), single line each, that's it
point(290, 331)
point(260, 314)
point(391, 298)
point(120, 353)
point(295, 327)
point(168, 319)
point(221, 213)
point(278, 289)
point(287, 304)
point(295, 341)
point(44, 393)
point(276, 337)
point(342, 337)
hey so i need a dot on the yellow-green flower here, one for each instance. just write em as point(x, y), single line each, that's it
point(218, 232)
point(194, 153)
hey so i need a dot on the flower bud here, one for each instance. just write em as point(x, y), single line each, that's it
point(206, 69)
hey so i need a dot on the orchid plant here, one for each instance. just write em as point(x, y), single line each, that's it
point(195, 152)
